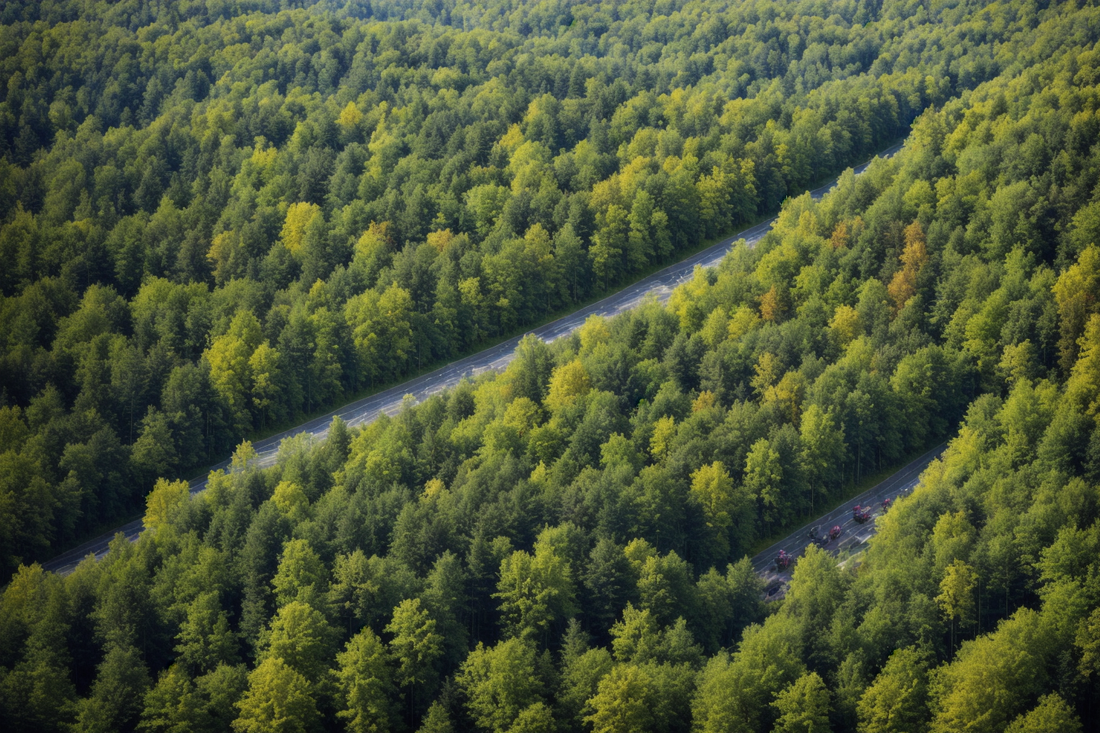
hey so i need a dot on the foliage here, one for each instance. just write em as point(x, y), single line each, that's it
point(222, 216)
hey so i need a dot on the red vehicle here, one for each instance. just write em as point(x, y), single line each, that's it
point(834, 533)
point(861, 515)
point(782, 561)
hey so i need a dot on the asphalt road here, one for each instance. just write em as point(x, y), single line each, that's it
point(854, 536)
point(661, 284)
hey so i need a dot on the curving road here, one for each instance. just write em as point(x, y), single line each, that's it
point(854, 536)
point(660, 284)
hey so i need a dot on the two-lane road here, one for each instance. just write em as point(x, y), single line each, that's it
point(660, 284)
point(853, 535)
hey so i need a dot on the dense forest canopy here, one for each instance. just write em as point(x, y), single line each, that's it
point(219, 217)
point(223, 215)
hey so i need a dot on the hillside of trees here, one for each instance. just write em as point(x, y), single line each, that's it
point(561, 547)
point(219, 217)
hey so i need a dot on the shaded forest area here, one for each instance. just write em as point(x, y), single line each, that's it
point(560, 547)
point(218, 217)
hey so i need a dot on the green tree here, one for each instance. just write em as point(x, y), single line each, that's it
point(608, 582)
point(1052, 713)
point(582, 669)
point(365, 680)
point(301, 576)
point(992, 678)
point(956, 598)
point(264, 364)
point(640, 240)
point(229, 357)
point(164, 502)
point(536, 718)
point(207, 704)
point(609, 244)
point(301, 638)
point(534, 591)
point(734, 694)
point(764, 478)
point(713, 491)
point(500, 683)
point(622, 703)
point(822, 451)
point(115, 702)
point(154, 452)
point(417, 648)
point(636, 639)
point(279, 699)
point(171, 706)
point(205, 637)
point(436, 720)
point(803, 707)
point(897, 701)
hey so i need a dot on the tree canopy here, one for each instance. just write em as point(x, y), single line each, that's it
point(218, 217)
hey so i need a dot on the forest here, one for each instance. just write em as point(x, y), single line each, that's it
point(218, 218)
point(221, 216)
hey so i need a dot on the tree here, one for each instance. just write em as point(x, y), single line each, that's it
point(913, 258)
point(530, 370)
point(992, 678)
point(712, 490)
point(279, 700)
point(581, 671)
point(365, 681)
point(640, 240)
point(417, 648)
point(803, 707)
point(500, 683)
point(636, 639)
point(608, 581)
point(37, 693)
point(301, 576)
point(293, 504)
point(536, 718)
point(534, 591)
point(171, 705)
point(956, 598)
point(622, 701)
point(207, 704)
point(299, 218)
point(154, 452)
point(381, 331)
point(229, 357)
point(1052, 713)
point(571, 258)
point(205, 638)
point(665, 587)
point(609, 244)
point(1088, 641)
point(301, 638)
point(764, 478)
point(735, 694)
point(116, 698)
point(897, 701)
point(447, 600)
point(164, 502)
point(1076, 295)
point(822, 451)
point(567, 384)
point(265, 367)
point(436, 720)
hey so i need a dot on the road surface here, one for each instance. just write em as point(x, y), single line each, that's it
point(660, 284)
point(854, 535)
